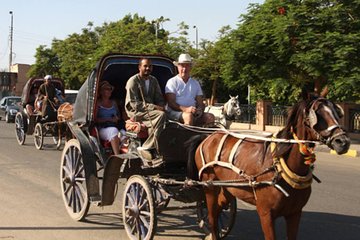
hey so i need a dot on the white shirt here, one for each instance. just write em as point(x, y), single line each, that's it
point(147, 83)
point(185, 92)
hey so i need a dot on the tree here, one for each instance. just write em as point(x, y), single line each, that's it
point(281, 46)
point(76, 54)
point(47, 62)
point(79, 52)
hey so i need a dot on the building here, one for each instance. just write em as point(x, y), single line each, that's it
point(12, 83)
point(21, 71)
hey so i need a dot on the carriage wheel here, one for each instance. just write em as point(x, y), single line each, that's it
point(225, 221)
point(138, 209)
point(20, 127)
point(38, 136)
point(72, 180)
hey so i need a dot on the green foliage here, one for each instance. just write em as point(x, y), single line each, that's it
point(281, 45)
point(278, 48)
point(73, 58)
point(47, 62)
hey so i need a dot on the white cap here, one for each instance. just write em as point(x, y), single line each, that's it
point(48, 77)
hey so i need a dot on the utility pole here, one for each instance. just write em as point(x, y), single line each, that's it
point(196, 37)
point(11, 40)
point(249, 102)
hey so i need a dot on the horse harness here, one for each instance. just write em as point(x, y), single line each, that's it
point(279, 166)
point(311, 120)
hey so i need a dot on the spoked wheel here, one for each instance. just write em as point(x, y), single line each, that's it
point(72, 180)
point(38, 136)
point(225, 221)
point(138, 209)
point(20, 128)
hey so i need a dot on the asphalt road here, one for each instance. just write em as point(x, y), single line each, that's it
point(31, 205)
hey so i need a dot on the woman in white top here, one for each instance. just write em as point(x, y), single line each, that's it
point(107, 117)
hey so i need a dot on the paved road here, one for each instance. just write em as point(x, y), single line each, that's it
point(31, 205)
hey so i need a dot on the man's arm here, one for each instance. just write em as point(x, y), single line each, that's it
point(171, 100)
point(133, 100)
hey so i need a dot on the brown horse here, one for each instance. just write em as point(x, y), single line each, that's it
point(277, 173)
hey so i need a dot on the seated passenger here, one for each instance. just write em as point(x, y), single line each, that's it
point(185, 96)
point(144, 102)
point(60, 96)
point(108, 117)
point(31, 105)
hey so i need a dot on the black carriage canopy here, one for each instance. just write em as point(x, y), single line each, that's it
point(35, 82)
point(116, 69)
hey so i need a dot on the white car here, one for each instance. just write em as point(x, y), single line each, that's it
point(70, 95)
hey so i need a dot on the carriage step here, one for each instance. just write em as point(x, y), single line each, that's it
point(96, 200)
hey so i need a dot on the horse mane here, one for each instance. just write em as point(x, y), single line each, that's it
point(295, 115)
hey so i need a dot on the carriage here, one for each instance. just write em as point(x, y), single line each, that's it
point(273, 174)
point(89, 172)
point(36, 124)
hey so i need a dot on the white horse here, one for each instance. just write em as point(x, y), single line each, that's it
point(229, 110)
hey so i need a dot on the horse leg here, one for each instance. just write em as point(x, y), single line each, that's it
point(267, 225)
point(213, 211)
point(292, 225)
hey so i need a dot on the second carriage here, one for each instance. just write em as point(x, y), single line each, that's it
point(52, 124)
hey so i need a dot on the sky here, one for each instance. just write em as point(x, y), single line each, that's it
point(38, 22)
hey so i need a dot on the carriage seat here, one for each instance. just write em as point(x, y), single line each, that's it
point(136, 128)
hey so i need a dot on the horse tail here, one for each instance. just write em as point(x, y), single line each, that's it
point(191, 146)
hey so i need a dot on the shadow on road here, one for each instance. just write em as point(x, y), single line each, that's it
point(182, 223)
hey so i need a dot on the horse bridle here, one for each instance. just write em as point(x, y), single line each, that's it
point(311, 121)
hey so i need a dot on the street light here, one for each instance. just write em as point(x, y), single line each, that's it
point(11, 41)
point(196, 37)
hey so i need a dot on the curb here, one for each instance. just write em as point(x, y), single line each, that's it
point(349, 153)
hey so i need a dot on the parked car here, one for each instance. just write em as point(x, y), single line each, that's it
point(9, 106)
point(70, 95)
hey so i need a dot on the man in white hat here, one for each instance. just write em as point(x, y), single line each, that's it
point(185, 97)
point(47, 94)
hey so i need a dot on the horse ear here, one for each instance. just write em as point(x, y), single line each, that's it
point(324, 91)
point(230, 96)
point(236, 96)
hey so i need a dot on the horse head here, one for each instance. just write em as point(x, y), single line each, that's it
point(317, 119)
point(232, 107)
point(323, 119)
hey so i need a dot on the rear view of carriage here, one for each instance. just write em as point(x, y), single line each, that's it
point(30, 121)
point(89, 172)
